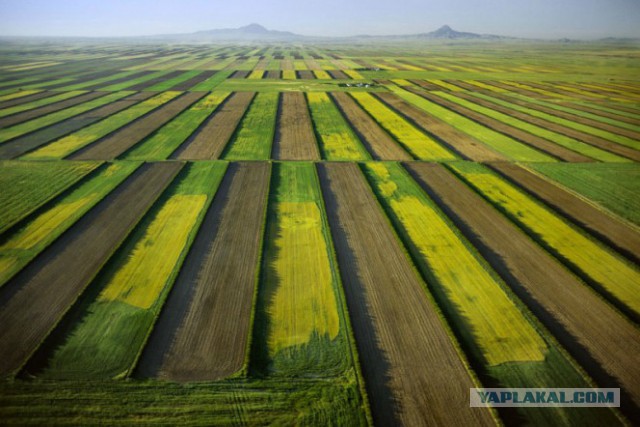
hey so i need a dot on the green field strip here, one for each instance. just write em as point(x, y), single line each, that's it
point(212, 82)
point(579, 113)
point(615, 187)
point(28, 185)
point(163, 142)
point(15, 131)
point(168, 84)
point(473, 293)
point(412, 139)
point(337, 141)
point(499, 142)
point(302, 328)
point(95, 82)
point(584, 255)
point(136, 282)
point(19, 248)
point(73, 142)
point(18, 94)
point(304, 402)
point(254, 138)
point(40, 103)
point(619, 139)
point(516, 350)
point(565, 141)
point(608, 107)
point(129, 83)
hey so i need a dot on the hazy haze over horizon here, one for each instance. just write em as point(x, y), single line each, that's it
point(579, 19)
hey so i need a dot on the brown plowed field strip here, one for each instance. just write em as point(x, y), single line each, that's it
point(203, 329)
point(239, 74)
point(615, 233)
point(458, 141)
point(273, 74)
point(529, 93)
point(31, 141)
point(426, 85)
point(159, 79)
point(602, 143)
point(306, 74)
point(413, 372)
point(25, 99)
point(295, 138)
point(124, 138)
point(188, 84)
point(48, 109)
point(557, 113)
point(209, 141)
point(37, 298)
point(337, 74)
point(373, 137)
point(513, 132)
point(604, 342)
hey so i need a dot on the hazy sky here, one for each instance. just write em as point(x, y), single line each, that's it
point(524, 18)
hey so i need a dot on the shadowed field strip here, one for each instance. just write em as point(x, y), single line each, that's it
point(202, 332)
point(413, 370)
point(596, 335)
point(211, 138)
point(35, 299)
point(120, 141)
point(295, 139)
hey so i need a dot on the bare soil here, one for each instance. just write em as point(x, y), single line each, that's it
point(413, 372)
point(295, 138)
point(209, 140)
point(203, 329)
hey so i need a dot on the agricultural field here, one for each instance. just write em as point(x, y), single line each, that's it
point(317, 234)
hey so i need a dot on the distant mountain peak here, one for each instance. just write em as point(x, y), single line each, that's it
point(254, 29)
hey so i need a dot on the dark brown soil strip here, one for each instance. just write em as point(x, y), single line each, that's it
point(602, 143)
point(613, 232)
point(426, 85)
point(156, 80)
point(529, 93)
point(24, 144)
point(239, 74)
point(274, 74)
point(505, 129)
point(126, 137)
point(212, 137)
point(601, 339)
point(617, 106)
point(378, 142)
point(48, 109)
point(337, 74)
point(413, 372)
point(305, 74)
point(203, 329)
point(83, 79)
point(33, 302)
point(452, 138)
point(188, 84)
point(557, 113)
point(25, 99)
point(119, 80)
point(295, 138)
